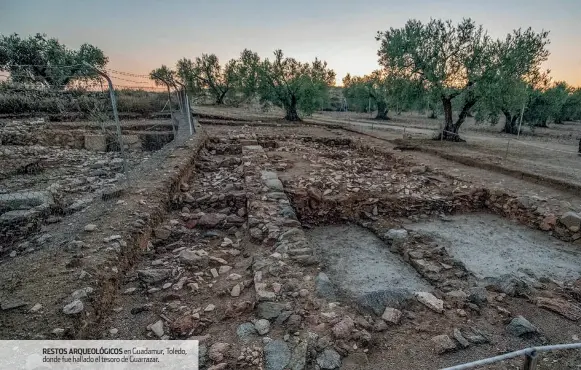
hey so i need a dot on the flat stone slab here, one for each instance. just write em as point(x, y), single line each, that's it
point(256, 148)
point(492, 246)
point(363, 268)
point(25, 200)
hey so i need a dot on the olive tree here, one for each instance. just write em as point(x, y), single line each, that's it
point(459, 61)
point(295, 86)
point(360, 92)
point(216, 79)
point(45, 61)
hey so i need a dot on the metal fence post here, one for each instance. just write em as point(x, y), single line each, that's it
point(115, 116)
point(192, 127)
point(173, 126)
point(530, 362)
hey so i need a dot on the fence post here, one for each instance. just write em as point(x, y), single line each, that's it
point(173, 126)
point(192, 127)
point(115, 116)
point(520, 120)
point(530, 362)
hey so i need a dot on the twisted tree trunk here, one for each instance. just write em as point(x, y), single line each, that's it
point(510, 123)
point(382, 111)
point(291, 110)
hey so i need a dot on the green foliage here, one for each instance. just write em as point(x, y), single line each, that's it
point(186, 75)
point(462, 62)
point(572, 108)
point(293, 85)
point(163, 76)
point(383, 91)
point(246, 74)
point(216, 79)
point(45, 61)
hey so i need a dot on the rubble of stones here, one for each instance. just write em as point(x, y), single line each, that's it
point(231, 266)
point(233, 257)
point(70, 178)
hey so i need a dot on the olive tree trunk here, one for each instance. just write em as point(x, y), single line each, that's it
point(382, 111)
point(291, 110)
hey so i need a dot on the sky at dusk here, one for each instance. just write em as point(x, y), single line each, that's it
point(141, 35)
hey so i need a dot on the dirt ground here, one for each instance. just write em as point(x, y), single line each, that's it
point(546, 151)
point(234, 256)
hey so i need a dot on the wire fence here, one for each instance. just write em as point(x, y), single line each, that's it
point(554, 152)
point(63, 146)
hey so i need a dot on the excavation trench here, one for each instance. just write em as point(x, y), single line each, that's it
point(363, 268)
point(491, 246)
point(457, 239)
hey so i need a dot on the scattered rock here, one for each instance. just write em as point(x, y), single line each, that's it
point(343, 328)
point(246, 332)
point(396, 235)
point(210, 308)
point(74, 307)
point(262, 326)
point(90, 227)
point(520, 326)
point(183, 325)
point(509, 285)
point(376, 301)
point(235, 292)
point(162, 233)
point(548, 222)
point(298, 359)
point(430, 301)
point(392, 315)
point(152, 276)
point(157, 328)
point(81, 293)
point(572, 221)
point(379, 326)
point(274, 184)
point(217, 350)
point(220, 366)
point(443, 343)
point(194, 258)
point(460, 338)
point(270, 310)
point(329, 359)
point(256, 233)
point(315, 194)
point(477, 295)
point(211, 220)
point(475, 336)
point(37, 307)
point(277, 355)
point(324, 287)
point(418, 169)
point(560, 306)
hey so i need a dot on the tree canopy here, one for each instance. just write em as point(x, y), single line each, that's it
point(460, 61)
point(295, 86)
point(381, 91)
point(45, 61)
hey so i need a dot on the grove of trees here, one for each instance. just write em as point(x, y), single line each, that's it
point(45, 61)
point(446, 69)
point(284, 82)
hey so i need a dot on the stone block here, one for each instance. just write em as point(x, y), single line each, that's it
point(131, 142)
point(25, 200)
point(97, 143)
